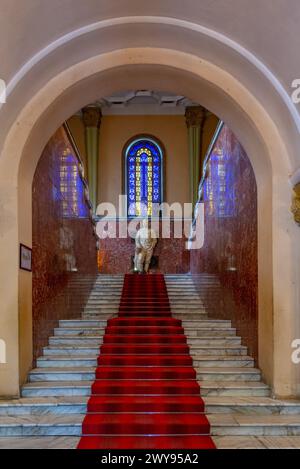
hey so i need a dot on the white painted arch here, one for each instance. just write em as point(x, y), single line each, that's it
point(221, 92)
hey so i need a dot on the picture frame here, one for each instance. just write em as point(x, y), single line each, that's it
point(25, 258)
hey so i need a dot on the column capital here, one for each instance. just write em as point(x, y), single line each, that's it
point(194, 116)
point(91, 116)
point(295, 208)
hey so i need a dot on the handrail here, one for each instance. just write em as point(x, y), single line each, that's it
point(81, 167)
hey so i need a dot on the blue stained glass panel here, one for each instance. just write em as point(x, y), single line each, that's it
point(143, 176)
point(71, 188)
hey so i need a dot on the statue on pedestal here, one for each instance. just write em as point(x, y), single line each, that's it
point(145, 241)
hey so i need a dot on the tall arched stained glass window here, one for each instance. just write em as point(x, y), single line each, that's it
point(143, 176)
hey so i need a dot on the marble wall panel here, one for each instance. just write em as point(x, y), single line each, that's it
point(230, 247)
point(173, 257)
point(63, 240)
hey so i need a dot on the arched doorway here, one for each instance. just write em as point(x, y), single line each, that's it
point(218, 91)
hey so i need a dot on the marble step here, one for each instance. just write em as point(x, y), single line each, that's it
point(186, 305)
point(188, 277)
point(219, 324)
point(95, 300)
point(106, 284)
point(72, 323)
point(92, 349)
point(192, 289)
point(175, 280)
point(69, 360)
point(222, 442)
point(91, 282)
point(107, 313)
point(221, 350)
point(175, 303)
point(96, 314)
point(183, 314)
point(103, 309)
point(234, 388)
point(256, 425)
point(184, 288)
point(58, 389)
point(189, 331)
point(251, 405)
point(228, 374)
point(44, 405)
point(213, 405)
point(105, 296)
point(203, 333)
point(192, 337)
point(182, 301)
point(192, 284)
point(71, 424)
point(197, 348)
point(69, 351)
point(104, 305)
point(83, 388)
point(201, 350)
point(111, 287)
point(200, 361)
point(109, 283)
point(75, 340)
point(64, 361)
point(244, 442)
point(216, 323)
point(85, 373)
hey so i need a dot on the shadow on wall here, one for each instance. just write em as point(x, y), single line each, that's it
point(229, 253)
point(64, 244)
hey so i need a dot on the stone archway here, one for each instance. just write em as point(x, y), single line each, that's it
point(219, 92)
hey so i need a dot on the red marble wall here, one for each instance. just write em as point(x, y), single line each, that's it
point(230, 246)
point(173, 257)
point(63, 240)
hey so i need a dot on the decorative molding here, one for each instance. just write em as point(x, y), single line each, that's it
point(111, 22)
point(144, 102)
point(295, 208)
point(91, 116)
point(194, 116)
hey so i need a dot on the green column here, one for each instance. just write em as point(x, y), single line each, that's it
point(91, 116)
point(195, 117)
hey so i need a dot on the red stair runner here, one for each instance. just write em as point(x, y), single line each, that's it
point(145, 395)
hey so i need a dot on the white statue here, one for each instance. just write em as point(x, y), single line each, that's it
point(145, 241)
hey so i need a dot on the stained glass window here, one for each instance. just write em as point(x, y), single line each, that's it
point(143, 158)
point(219, 188)
point(71, 187)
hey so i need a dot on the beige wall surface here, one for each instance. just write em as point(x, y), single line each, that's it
point(116, 130)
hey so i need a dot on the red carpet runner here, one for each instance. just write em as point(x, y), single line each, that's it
point(145, 394)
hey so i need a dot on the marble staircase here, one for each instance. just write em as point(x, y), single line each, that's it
point(238, 404)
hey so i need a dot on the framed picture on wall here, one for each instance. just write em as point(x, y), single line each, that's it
point(25, 258)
